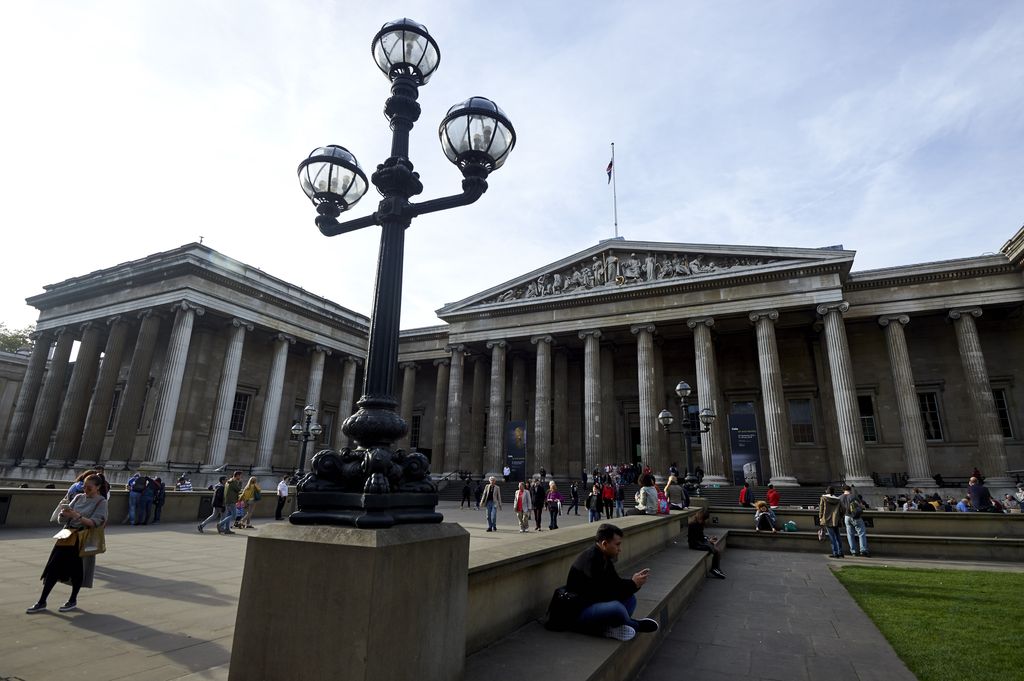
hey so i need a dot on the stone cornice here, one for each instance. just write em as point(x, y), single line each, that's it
point(924, 273)
point(1014, 248)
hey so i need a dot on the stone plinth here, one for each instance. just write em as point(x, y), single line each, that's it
point(323, 602)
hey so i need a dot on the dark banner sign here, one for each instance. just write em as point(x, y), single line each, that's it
point(745, 447)
point(515, 448)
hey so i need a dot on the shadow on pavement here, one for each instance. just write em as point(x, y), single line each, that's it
point(178, 590)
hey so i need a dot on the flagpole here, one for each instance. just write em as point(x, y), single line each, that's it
point(615, 201)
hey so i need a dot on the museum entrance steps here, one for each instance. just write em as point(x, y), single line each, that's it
point(788, 496)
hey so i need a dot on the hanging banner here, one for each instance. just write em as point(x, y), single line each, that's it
point(515, 449)
point(745, 448)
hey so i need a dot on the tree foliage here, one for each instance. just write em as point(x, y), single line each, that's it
point(12, 340)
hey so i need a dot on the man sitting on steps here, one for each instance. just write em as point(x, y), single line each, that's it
point(608, 600)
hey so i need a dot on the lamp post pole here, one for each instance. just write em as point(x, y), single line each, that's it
point(305, 432)
point(706, 416)
point(375, 486)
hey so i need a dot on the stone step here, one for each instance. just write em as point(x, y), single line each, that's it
point(676, 574)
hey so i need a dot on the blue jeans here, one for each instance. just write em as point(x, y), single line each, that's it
point(597, 617)
point(856, 526)
point(619, 512)
point(833, 536)
point(492, 515)
point(133, 504)
point(224, 524)
point(595, 515)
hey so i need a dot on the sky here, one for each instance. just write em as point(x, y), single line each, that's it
point(127, 128)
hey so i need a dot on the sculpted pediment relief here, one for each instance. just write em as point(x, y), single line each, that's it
point(611, 267)
point(614, 268)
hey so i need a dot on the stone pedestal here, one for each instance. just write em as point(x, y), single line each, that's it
point(323, 602)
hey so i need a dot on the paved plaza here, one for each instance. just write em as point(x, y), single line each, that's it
point(165, 597)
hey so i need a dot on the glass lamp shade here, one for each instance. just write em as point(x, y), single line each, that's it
point(297, 430)
point(707, 417)
point(316, 430)
point(331, 174)
point(404, 48)
point(665, 418)
point(683, 389)
point(310, 410)
point(477, 132)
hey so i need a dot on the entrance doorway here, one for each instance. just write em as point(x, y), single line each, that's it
point(634, 444)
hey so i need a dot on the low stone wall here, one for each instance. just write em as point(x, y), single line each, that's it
point(913, 523)
point(508, 588)
point(33, 507)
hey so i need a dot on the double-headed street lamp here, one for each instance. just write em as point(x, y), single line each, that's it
point(306, 431)
point(706, 416)
point(375, 486)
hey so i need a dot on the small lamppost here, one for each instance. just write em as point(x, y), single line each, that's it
point(306, 431)
point(706, 416)
point(375, 486)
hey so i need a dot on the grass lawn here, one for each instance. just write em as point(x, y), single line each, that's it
point(945, 624)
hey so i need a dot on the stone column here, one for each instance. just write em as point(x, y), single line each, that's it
point(717, 461)
point(991, 445)
point(911, 427)
point(593, 456)
point(542, 406)
point(648, 403)
point(226, 391)
point(560, 413)
point(25, 406)
point(316, 379)
point(98, 417)
point(76, 402)
point(408, 399)
point(132, 402)
point(517, 408)
point(661, 441)
point(170, 385)
point(608, 403)
point(851, 436)
point(345, 402)
point(776, 421)
point(495, 462)
point(46, 410)
point(477, 449)
point(272, 405)
point(453, 426)
point(440, 411)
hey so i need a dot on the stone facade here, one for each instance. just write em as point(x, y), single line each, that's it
point(188, 360)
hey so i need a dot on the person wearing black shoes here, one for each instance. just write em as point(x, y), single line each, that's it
point(698, 541)
point(604, 600)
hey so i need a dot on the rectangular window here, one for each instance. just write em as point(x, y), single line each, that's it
point(414, 432)
point(239, 410)
point(867, 418)
point(1003, 412)
point(801, 421)
point(113, 410)
point(929, 403)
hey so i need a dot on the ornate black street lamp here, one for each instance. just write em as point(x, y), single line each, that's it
point(373, 485)
point(706, 416)
point(305, 431)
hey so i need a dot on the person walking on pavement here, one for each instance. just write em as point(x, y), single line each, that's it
point(830, 517)
point(467, 495)
point(574, 494)
point(231, 491)
point(492, 502)
point(218, 508)
point(856, 532)
point(538, 494)
point(523, 507)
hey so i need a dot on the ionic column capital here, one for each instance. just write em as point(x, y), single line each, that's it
point(116, 319)
point(537, 340)
point(322, 348)
point(143, 315)
point(241, 323)
point(85, 326)
point(958, 312)
point(758, 315)
point(289, 339)
point(842, 306)
point(345, 359)
point(455, 347)
point(36, 336)
point(442, 362)
point(596, 333)
point(491, 344)
point(886, 319)
point(405, 366)
point(186, 306)
point(700, 321)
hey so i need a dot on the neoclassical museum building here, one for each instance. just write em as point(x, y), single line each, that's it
point(188, 360)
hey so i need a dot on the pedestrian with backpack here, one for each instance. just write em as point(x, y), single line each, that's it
point(856, 531)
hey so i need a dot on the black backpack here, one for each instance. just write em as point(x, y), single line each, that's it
point(856, 509)
point(139, 485)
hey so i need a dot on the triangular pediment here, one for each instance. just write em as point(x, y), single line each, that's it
point(615, 265)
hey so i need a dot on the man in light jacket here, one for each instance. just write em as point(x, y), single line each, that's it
point(523, 507)
point(492, 502)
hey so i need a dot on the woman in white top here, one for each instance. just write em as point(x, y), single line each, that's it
point(646, 498)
